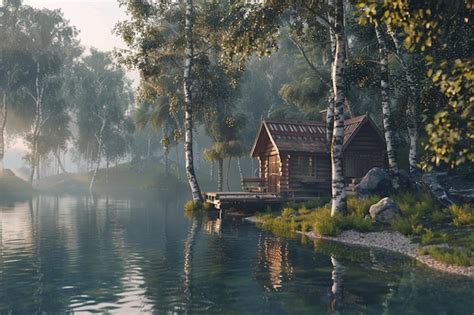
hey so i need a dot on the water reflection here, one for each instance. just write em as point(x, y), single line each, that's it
point(82, 254)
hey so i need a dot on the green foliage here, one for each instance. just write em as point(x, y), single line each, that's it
point(450, 256)
point(287, 212)
point(361, 207)
point(462, 215)
point(403, 225)
point(427, 237)
point(438, 33)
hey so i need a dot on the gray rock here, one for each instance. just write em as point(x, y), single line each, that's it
point(384, 211)
point(435, 182)
point(375, 182)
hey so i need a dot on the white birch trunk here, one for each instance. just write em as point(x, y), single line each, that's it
point(339, 204)
point(3, 124)
point(38, 121)
point(412, 110)
point(330, 110)
point(387, 116)
point(220, 175)
point(99, 138)
point(188, 115)
point(60, 163)
point(241, 174)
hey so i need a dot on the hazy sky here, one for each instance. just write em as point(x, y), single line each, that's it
point(94, 18)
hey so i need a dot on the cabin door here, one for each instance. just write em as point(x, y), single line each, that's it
point(273, 173)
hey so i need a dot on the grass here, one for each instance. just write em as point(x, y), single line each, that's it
point(450, 256)
point(422, 219)
point(316, 216)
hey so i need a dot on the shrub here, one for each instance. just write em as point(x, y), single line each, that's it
point(360, 207)
point(462, 215)
point(287, 212)
point(402, 225)
point(427, 237)
point(325, 224)
point(450, 256)
point(192, 206)
point(303, 210)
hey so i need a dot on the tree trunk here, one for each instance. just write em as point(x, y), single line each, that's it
point(220, 175)
point(412, 110)
point(99, 138)
point(178, 173)
point(228, 171)
point(241, 174)
point(60, 164)
point(3, 124)
point(338, 186)
point(330, 110)
point(188, 115)
point(387, 116)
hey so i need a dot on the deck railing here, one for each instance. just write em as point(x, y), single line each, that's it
point(254, 184)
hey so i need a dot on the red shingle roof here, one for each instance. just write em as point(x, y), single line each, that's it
point(305, 135)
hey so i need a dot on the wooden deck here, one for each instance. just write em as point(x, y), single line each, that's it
point(245, 201)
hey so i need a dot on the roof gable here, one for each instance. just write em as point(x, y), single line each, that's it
point(306, 135)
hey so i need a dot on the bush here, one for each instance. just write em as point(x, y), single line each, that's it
point(462, 215)
point(192, 206)
point(450, 256)
point(402, 225)
point(325, 224)
point(360, 207)
point(427, 237)
point(287, 212)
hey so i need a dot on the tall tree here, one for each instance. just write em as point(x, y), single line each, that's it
point(188, 101)
point(51, 44)
point(387, 116)
point(338, 180)
point(102, 98)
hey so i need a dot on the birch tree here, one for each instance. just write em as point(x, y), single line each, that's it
point(386, 111)
point(337, 159)
point(103, 95)
point(188, 102)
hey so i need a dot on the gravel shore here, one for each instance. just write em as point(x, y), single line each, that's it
point(391, 241)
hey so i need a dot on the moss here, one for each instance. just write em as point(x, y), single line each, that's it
point(450, 256)
point(192, 206)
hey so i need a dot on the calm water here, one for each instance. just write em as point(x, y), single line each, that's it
point(70, 254)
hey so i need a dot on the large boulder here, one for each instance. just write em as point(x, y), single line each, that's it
point(384, 211)
point(449, 189)
point(375, 182)
point(436, 182)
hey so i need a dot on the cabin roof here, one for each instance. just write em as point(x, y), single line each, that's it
point(305, 135)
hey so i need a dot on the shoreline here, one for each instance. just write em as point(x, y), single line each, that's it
point(387, 240)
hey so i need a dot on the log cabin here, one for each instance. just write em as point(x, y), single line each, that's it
point(294, 156)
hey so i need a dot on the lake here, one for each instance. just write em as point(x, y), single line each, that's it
point(127, 256)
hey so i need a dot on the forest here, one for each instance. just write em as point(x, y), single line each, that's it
point(209, 73)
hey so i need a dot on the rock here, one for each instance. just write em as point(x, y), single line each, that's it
point(384, 211)
point(375, 182)
point(436, 182)
point(461, 188)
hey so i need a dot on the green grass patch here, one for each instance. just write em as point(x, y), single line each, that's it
point(450, 256)
point(463, 215)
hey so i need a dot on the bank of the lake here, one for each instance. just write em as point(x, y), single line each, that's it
point(13, 187)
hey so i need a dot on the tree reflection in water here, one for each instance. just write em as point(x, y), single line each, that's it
point(337, 288)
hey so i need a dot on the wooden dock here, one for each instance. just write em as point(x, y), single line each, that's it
point(244, 201)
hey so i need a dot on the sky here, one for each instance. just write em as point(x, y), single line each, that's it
point(95, 20)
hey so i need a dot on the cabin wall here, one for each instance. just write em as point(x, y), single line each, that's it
point(365, 151)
